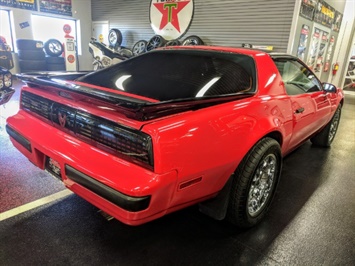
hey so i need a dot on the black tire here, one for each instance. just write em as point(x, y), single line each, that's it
point(53, 47)
point(115, 37)
point(32, 65)
point(55, 60)
point(125, 52)
point(326, 136)
point(139, 47)
point(97, 65)
point(155, 42)
point(37, 54)
point(56, 67)
point(173, 43)
point(193, 40)
point(25, 44)
point(256, 176)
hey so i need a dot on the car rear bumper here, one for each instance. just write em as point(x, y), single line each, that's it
point(130, 193)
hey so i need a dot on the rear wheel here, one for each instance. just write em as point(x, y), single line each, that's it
point(325, 137)
point(254, 184)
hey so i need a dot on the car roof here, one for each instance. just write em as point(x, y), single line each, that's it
point(240, 50)
point(247, 51)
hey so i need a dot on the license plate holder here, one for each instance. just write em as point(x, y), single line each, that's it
point(53, 167)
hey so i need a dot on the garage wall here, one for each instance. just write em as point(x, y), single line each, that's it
point(224, 22)
point(81, 13)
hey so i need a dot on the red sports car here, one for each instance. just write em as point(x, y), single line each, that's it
point(176, 127)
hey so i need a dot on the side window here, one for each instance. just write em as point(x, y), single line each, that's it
point(297, 78)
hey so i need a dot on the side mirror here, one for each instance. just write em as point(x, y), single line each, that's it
point(327, 87)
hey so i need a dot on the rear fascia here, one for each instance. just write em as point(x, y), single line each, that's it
point(128, 192)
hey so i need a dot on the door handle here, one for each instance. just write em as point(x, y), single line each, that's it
point(299, 110)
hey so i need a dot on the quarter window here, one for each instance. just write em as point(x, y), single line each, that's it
point(298, 78)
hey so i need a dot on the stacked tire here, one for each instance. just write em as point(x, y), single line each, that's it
point(54, 60)
point(31, 55)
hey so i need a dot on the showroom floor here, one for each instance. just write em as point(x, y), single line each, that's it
point(312, 220)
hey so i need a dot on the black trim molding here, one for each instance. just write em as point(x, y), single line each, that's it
point(132, 204)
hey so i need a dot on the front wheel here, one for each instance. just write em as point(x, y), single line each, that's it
point(254, 184)
point(326, 136)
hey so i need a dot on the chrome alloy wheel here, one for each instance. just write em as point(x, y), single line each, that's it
point(261, 186)
point(334, 126)
point(139, 47)
point(112, 37)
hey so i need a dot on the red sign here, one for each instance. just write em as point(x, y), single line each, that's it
point(171, 18)
point(67, 28)
point(71, 58)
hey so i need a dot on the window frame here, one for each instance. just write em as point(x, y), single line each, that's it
point(11, 41)
point(318, 85)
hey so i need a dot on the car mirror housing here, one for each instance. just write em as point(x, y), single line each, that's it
point(327, 87)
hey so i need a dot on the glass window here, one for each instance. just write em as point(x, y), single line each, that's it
point(298, 78)
point(5, 28)
point(170, 75)
point(45, 28)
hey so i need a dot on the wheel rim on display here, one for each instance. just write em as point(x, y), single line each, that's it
point(115, 37)
point(155, 42)
point(126, 52)
point(140, 47)
point(173, 43)
point(192, 40)
point(55, 47)
point(112, 37)
point(334, 126)
point(261, 185)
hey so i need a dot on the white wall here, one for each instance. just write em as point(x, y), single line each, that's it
point(81, 11)
point(345, 43)
point(343, 39)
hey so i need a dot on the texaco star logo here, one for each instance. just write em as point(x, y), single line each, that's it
point(171, 18)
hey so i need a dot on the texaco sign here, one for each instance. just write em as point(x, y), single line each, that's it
point(171, 18)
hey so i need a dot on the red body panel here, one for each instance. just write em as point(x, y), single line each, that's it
point(195, 152)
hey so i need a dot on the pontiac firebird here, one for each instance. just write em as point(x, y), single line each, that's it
point(176, 127)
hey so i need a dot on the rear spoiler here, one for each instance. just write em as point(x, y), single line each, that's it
point(49, 75)
point(132, 107)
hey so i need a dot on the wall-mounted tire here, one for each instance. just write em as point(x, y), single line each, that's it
point(25, 44)
point(115, 37)
point(155, 42)
point(53, 47)
point(192, 40)
point(32, 65)
point(56, 67)
point(37, 54)
point(139, 47)
point(55, 60)
point(173, 43)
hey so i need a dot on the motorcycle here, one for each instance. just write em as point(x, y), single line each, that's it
point(6, 90)
point(6, 63)
point(105, 56)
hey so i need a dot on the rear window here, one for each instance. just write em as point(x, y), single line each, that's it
point(179, 74)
